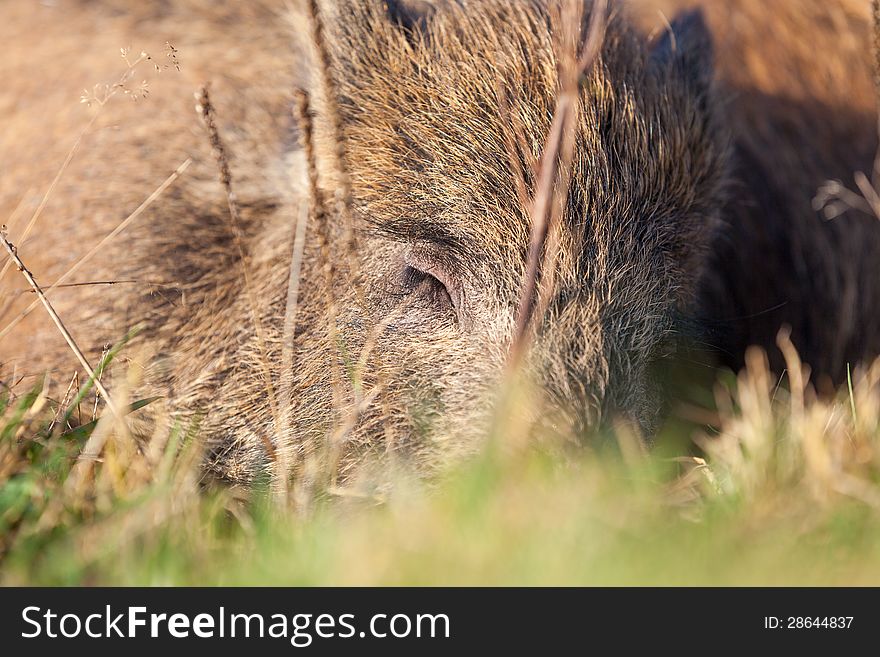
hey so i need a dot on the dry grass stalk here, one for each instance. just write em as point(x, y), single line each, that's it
point(285, 446)
point(68, 338)
point(318, 208)
point(125, 223)
point(121, 281)
point(555, 165)
point(320, 219)
point(63, 404)
point(343, 195)
point(798, 373)
point(340, 427)
point(317, 205)
point(206, 111)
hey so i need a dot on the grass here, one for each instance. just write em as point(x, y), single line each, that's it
point(788, 493)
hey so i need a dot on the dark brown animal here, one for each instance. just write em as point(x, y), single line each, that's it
point(795, 84)
point(689, 214)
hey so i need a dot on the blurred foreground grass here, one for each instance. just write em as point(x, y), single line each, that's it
point(789, 493)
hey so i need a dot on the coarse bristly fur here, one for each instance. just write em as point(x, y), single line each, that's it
point(698, 150)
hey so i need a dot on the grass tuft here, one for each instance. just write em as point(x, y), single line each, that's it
point(780, 496)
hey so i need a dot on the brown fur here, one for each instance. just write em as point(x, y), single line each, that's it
point(690, 209)
point(796, 82)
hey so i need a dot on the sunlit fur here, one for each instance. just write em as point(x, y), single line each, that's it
point(689, 212)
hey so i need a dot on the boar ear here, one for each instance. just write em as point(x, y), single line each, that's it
point(686, 46)
point(411, 15)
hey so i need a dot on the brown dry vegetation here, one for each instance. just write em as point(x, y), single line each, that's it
point(783, 470)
